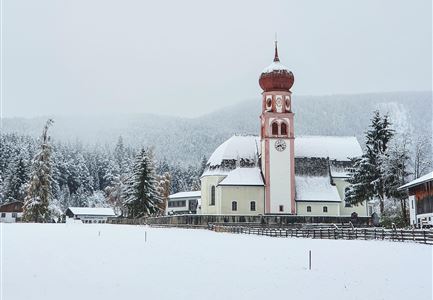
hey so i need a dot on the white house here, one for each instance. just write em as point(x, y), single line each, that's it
point(11, 212)
point(90, 214)
point(278, 172)
point(183, 203)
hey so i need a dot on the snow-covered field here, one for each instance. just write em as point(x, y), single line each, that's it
point(77, 261)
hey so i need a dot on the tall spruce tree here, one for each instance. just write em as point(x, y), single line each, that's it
point(395, 170)
point(367, 175)
point(39, 193)
point(141, 194)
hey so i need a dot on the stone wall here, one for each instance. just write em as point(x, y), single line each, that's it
point(265, 220)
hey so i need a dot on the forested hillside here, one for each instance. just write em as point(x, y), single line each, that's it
point(185, 141)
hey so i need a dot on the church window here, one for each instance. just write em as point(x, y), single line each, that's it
point(325, 209)
point(268, 103)
point(275, 128)
point(212, 195)
point(283, 129)
point(308, 208)
point(234, 206)
point(281, 208)
point(253, 205)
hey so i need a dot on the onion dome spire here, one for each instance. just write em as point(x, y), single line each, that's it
point(276, 77)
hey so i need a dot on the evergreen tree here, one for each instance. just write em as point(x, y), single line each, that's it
point(395, 170)
point(17, 180)
point(39, 193)
point(141, 195)
point(367, 175)
point(120, 154)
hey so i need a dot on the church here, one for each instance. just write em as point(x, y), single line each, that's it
point(278, 172)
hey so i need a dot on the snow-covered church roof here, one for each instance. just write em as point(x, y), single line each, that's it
point(248, 147)
point(244, 176)
point(315, 188)
point(335, 147)
point(236, 147)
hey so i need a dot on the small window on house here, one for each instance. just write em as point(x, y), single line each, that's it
point(308, 208)
point(212, 195)
point(283, 129)
point(281, 208)
point(275, 128)
point(325, 209)
point(253, 205)
point(14, 215)
point(3, 215)
point(234, 206)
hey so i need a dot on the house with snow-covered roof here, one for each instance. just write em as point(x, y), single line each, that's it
point(278, 172)
point(420, 193)
point(183, 203)
point(90, 214)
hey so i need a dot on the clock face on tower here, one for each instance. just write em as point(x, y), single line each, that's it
point(280, 145)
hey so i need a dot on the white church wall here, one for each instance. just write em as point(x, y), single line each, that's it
point(333, 208)
point(280, 185)
point(361, 209)
point(206, 185)
point(243, 195)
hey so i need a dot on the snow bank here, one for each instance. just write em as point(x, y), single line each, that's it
point(111, 262)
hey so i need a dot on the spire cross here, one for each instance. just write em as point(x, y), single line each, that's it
point(276, 49)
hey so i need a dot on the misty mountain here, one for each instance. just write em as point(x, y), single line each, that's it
point(186, 140)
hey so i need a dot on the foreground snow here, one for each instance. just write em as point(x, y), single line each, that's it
point(71, 261)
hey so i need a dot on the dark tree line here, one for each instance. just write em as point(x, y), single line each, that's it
point(78, 175)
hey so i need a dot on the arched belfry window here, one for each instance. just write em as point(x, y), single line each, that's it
point(275, 128)
point(212, 195)
point(283, 128)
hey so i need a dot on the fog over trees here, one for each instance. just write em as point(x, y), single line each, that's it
point(92, 157)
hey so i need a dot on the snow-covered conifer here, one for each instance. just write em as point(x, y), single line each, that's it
point(367, 176)
point(39, 192)
point(141, 195)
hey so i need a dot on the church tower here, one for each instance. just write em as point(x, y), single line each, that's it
point(277, 138)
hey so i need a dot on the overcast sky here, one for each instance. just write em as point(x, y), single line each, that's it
point(189, 57)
